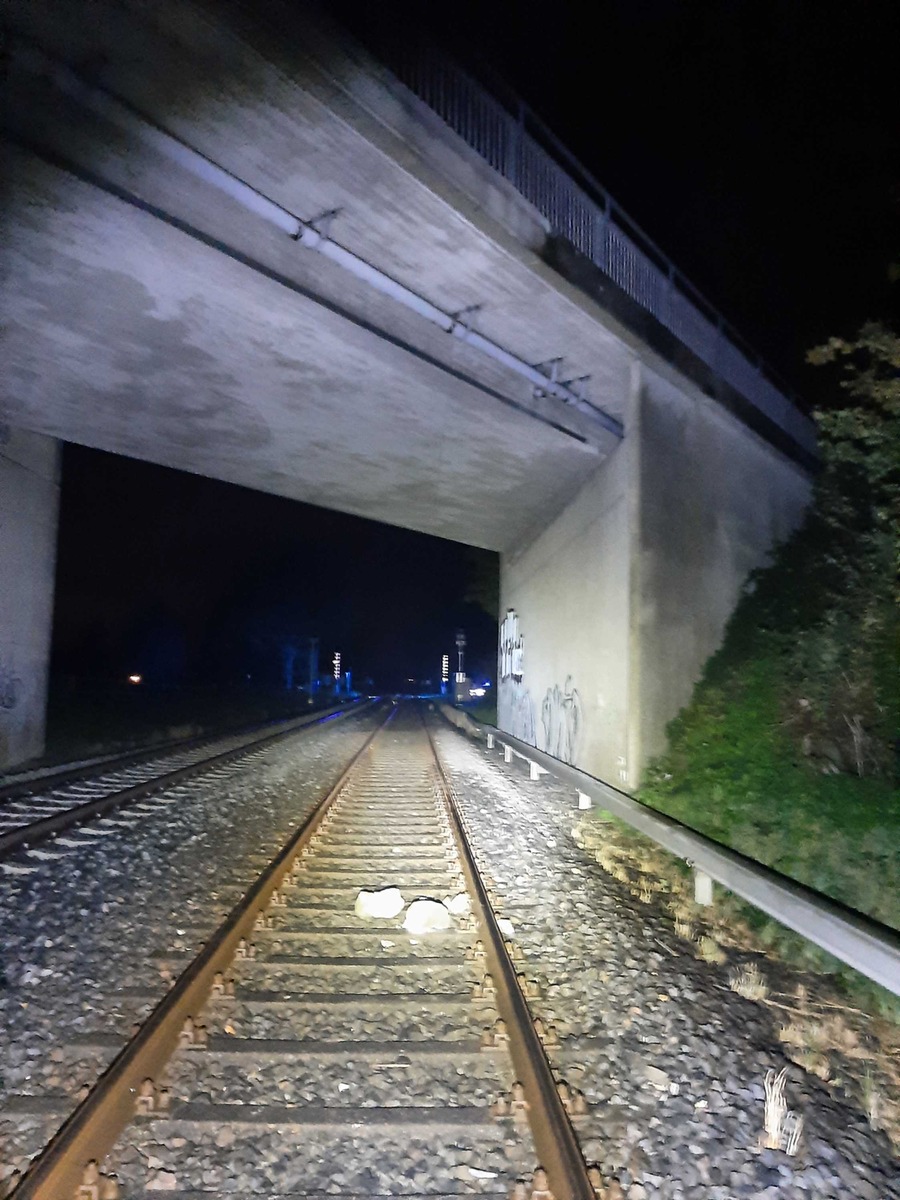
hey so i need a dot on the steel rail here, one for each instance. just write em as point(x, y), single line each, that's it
point(36, 832)
point(554, 1138)
point(861, 942)
point(93, 1128)
point(22, 789)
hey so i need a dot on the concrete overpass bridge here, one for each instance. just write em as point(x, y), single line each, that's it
point(244, 247)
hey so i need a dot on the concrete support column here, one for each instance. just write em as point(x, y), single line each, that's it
point(29, 508)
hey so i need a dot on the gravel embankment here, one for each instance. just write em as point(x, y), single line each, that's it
point(671, 1061)
point(86, 923)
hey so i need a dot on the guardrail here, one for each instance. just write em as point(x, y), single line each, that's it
point(866, 945)
point(520, 147)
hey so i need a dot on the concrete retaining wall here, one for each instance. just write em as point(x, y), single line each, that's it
point(29, 504)
point(714, 499)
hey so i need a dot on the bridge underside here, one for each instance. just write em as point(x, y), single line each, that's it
point(150, 310)
point(135, 337)
point(150, 314)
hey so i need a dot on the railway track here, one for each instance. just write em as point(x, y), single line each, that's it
point(307, 1050)
point(34, 811)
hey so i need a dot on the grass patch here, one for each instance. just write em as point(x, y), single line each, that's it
point(735, 773)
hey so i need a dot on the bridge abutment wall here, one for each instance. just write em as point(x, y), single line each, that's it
point(622, 598)
point(29, 507)
point(714, 499)
point(570, 589)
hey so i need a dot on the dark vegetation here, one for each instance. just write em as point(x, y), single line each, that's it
point(485, 711)
point(788, 751)
point(86, 719)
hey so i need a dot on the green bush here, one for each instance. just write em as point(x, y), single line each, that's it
point(788, 749)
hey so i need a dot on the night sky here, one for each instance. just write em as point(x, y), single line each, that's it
point(757, 142)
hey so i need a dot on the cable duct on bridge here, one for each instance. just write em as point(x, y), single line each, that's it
point(121, 114)
point(451, 323)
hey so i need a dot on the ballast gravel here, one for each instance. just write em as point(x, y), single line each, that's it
point(671, 1061)
point(393, 1078)
point(61, 796)
point(351, 1161)
point(82, 924)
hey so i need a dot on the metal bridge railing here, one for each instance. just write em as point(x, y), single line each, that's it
point(521, 148)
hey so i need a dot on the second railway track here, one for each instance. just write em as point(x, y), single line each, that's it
point(310, 1051)
point(34, 812)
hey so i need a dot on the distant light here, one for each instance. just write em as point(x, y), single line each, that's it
point(135, 678)
point(336, 663)
point(476, 691)
point(445, 667)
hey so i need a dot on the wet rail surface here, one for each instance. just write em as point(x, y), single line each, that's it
point(41, 808)
point(311, 1050)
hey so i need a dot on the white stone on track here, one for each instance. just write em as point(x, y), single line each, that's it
point(427, 916)
point(382, 904)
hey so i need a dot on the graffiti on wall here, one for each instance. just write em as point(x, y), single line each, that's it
point(561, 721)
point(9, 688)
point(515, 711)
point(560, 714)
point(512, 647)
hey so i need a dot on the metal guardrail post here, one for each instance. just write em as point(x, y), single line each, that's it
point(703, 888)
